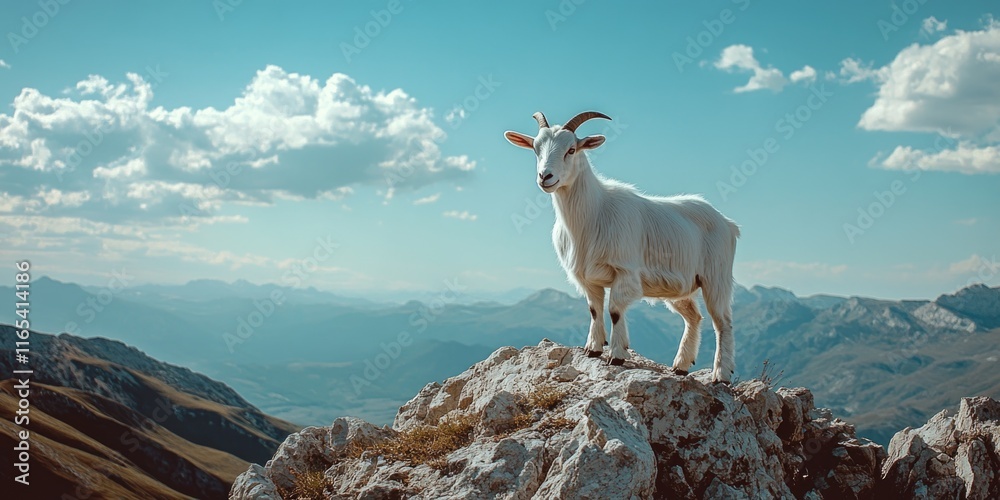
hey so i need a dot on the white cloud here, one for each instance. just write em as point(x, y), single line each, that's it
point(948, 88)
point(956, 275)
point(135, 167)
point(4, 65)
point(428, 199)
point(337, 194)
point(931, 26)
point(967, 222)
point(456, 115)
point(741, 58)
point(463, 215)
point(807, 75)
point(288, 136)
point(975, 265)
point(965, 158)
point(853, 71)
point(57, 197)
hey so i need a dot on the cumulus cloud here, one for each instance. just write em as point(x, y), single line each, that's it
point(948, 88)
point(854, 71)
point(931, 26)
point(944, 87)
point(427, 199)
point(463, 215)
point(455, 116)
point(104, 153)
point(4, 65)
point(807, 74)
point(965, 158)
point(741, 58)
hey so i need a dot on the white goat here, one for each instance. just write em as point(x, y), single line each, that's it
point(608, 235)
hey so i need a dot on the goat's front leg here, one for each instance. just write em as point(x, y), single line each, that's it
point(625, 289)
point(597, 337)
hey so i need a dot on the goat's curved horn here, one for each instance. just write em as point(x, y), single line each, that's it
point(542, 122)
point(582, 117)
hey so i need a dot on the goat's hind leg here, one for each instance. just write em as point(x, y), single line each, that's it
point(718, 300)
point(626, 289)
point(597, 338)
point(688, 350)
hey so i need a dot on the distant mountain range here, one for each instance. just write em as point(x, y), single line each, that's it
point(316, 355)
point(107, 421)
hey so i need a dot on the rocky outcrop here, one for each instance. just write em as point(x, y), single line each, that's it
point(949, 457)
point(553, 423)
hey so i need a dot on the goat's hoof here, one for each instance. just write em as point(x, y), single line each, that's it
point(605, 342)
point(679, 372)
point(726, 382)
point(593, 354)
point(616, 362)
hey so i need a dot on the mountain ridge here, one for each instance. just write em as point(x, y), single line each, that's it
point(820, 341)
point(159, 430)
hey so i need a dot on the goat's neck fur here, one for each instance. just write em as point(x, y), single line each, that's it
point(579, 204)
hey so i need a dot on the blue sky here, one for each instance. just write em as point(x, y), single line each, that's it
point(368, 162)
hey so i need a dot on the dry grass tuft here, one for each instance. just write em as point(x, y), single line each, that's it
point(424, 444)
point(308, 486)
point(430, 445)
point(545, 397)
point(767, 375)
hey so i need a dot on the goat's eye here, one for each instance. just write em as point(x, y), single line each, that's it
point(571, 151)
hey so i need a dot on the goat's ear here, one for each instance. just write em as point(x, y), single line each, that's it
point(520, 140)
point(590, 142)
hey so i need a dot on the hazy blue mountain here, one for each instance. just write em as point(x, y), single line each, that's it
point(207, 290)
point(296, 360)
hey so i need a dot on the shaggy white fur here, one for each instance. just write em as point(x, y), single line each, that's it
point(608, 235)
